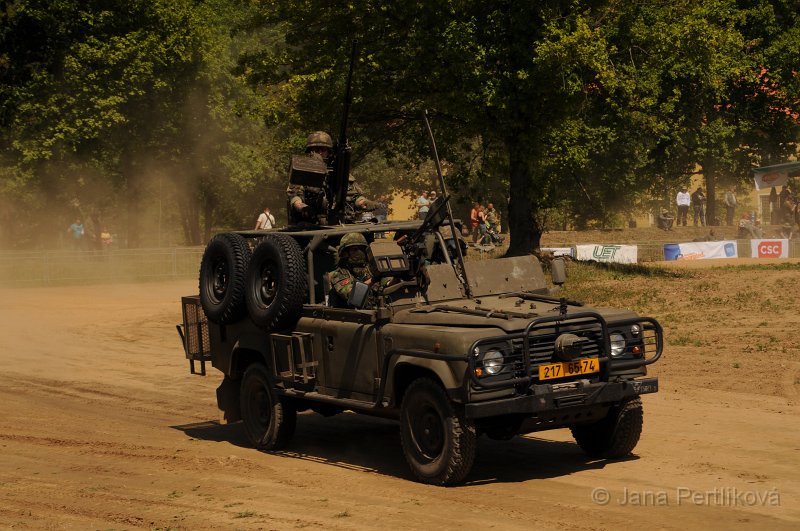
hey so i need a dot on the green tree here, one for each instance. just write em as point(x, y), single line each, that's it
point(113, 107)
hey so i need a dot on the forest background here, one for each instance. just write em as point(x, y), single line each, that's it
point(168, 120)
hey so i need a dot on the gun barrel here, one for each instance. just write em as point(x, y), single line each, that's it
point(341, 171)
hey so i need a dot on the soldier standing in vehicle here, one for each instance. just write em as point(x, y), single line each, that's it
point(309, 204)
point(352, 268)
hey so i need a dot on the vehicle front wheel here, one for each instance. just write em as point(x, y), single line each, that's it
point(616, 435)
point(268, 420)
point(438, 442)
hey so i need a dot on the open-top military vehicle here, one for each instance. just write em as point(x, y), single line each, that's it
point(451, 348)
point(451, 354)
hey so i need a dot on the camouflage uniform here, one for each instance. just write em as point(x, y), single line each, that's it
point(342, 280)
point(344, 277)
point(311, 196)
point(356, 202)
point(315, 198)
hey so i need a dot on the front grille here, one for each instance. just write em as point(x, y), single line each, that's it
point(541, 346)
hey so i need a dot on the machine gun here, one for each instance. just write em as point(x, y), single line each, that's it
point(402, 259)
point(338, 178)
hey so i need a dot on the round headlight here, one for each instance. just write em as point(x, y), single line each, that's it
point(617, 344)
point(635, 329)
point(493, 361)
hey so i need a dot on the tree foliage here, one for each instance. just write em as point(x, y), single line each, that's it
point(188, 110)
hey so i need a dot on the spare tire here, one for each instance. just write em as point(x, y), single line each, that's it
point(276, 282)
point(223, 272)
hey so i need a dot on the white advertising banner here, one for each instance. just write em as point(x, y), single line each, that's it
point(768, 179)
point(558, 251)
point(700, 250)
point(769, 248)
point(621, 254)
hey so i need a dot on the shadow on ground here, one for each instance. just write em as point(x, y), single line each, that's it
point(356, 442)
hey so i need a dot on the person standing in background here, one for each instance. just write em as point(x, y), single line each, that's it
point(265, 220)
point(423, 203)
point(77, 234)
point(683, 199)
point(699, 207)
point(730, 206)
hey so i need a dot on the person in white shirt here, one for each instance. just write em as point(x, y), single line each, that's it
point(265, 220)
point(423, 203)
point(683, 199)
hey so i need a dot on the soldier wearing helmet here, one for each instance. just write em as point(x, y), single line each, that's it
point(352, 268)
point(309, 204)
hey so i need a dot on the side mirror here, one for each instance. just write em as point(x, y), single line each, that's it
point(358, 295)
point(558, 269)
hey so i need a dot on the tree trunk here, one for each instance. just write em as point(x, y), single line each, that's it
point(133, 200)
point(525, 233)
point(208, 216)
point(710, 174)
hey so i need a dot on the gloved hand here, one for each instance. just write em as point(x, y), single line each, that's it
point(308, 214)
point(367, 205)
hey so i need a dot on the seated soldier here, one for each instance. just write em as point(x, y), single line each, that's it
point(352, 268)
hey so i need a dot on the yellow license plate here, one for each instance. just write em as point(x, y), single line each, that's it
point(568, 368)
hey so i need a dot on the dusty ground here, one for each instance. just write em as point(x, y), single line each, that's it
point(103, 427)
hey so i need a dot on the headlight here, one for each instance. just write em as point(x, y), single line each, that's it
point(635, 329)
point(617, 344)
point(493, 361)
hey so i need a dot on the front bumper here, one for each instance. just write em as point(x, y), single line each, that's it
point(547, 398)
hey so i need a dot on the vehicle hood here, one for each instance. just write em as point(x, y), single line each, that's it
point(447, 313)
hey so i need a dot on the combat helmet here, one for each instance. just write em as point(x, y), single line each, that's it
point(319, 139)
point(352, 239)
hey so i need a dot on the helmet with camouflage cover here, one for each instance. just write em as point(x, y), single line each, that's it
point(319, 139)
point(352, 239)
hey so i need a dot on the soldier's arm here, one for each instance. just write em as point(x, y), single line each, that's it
point(365, 204)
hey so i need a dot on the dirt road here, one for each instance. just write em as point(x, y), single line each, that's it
point(103, 427)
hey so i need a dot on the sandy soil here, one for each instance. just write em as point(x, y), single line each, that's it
point(103, 427)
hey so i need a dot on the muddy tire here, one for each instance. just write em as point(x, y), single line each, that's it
point(616, 435)
point(276, 283)
point(438, 442)
point(268, 420)
point(223, 271)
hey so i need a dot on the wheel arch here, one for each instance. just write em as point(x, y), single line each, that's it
point(244, 355)
point(408, 369)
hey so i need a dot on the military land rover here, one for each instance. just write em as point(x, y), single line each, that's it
point(453, 350)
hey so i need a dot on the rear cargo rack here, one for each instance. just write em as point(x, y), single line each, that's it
point(194, 334)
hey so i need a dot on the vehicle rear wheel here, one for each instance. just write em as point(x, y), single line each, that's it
point(223, 269)
point(438, 442)
point(269, 421)
point(616, 435)
point(276, 282)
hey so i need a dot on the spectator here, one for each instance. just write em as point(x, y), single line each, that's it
point(787, 205)
point(432, 197)
point(491, 217)
point(481, 222)
point(786, 232)
point(748, 228)
point(382, 211)
point(774, 207)
point(730, 206)
point(106, 239)
point(665, 220)
point(683, 199)
point(423, 204)
point(265, 220)
point(474, 221)
point(699, 207)
point(77, 233)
